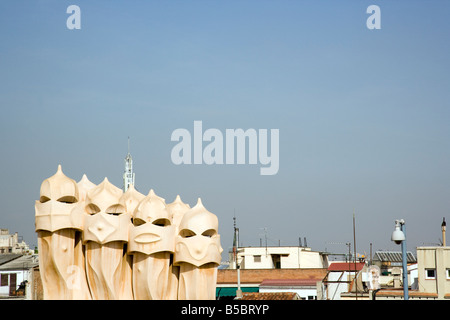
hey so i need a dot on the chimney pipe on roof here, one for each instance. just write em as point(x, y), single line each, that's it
point(443, 227)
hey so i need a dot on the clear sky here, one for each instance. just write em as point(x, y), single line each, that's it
point(363, 115)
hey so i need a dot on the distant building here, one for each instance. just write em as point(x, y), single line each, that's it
point(304, 289)
point(302, 282)
point(387, 260)
point(428, 279)
point(17, 276)
point(272, 272)
point(264, 272)
point(9, 243)
point(390, 264)
point(340, 284)
point(433, 269)
point(278, 258)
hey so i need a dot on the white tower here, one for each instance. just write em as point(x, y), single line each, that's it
point(128, 175)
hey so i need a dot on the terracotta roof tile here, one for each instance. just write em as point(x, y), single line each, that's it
point(399, 293)
point(345, 266)
point(270, 296)
point(290, 282)
point(256, 276)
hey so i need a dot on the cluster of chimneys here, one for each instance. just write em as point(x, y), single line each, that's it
point(98, 242)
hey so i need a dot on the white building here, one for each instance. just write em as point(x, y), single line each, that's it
point(16, 271)
point(340, 280)
point(433, 271)
point(429, 278)
point(306, 289)
point(278, 258)
point(9, 243)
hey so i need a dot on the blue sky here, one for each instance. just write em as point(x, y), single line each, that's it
point(363, 114)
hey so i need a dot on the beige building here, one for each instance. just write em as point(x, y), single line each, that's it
point(434, 271)
point(432, 280)
point(340, 284)
point(9, 243)
point(17, 276)
point(303, 282)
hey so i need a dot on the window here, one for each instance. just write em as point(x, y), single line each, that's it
point(256, 258)
point(430, 273)
point(448, 274)
point(276, 261)
point(4, 280)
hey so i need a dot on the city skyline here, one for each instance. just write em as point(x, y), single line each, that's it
point(363, 114)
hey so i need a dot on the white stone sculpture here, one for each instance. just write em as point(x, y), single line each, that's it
point(198, 253)
point(59, 225)
point(131, 199)
point(176, 210)
point(152, 244)
point(105, 234)
point(84, 185)
point(97, 242)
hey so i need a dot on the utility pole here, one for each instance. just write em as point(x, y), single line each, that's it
point(235, 253)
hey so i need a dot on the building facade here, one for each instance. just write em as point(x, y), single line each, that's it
point(9, 243)
point(17, 276)
point(303, 282)
point(433, 270)
point(278, 258)
point(343, 281)
point(430, 279)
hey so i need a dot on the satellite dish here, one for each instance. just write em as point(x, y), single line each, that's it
point(373, 277)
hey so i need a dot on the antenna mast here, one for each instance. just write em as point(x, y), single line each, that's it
point(235, 253)
point(354, 248)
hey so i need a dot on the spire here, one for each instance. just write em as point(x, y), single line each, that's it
point(128, 175)
point(234, 238)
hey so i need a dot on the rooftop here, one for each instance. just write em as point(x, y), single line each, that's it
point(6, 257)
point(345, 266)
point(270, 296)
point(412, 294)
point(289, 282)
point(256, 276)
point(393, 256)
point(19, 262)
